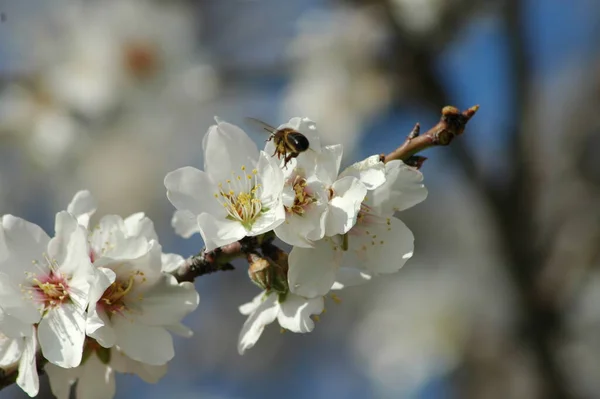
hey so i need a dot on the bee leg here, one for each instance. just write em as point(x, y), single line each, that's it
point(288, 159)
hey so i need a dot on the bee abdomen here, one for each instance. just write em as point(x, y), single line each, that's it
point(299, 141)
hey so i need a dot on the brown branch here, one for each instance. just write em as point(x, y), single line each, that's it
point(451, 124)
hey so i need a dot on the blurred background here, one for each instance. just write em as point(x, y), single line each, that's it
point(502, 298)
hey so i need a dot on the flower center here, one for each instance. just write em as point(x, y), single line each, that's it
point(240, 199)
point(303, 197)
point(113, 299)
point(140, 60)
point(51, 290)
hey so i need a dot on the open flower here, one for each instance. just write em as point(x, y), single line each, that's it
point(238, 194)
point(46, 282)
point(133, 301)
point(293, 313)
point(20, 352)
point(95, 377)
point(377, 244)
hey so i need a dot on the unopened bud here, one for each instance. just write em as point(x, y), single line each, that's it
point(267, 274)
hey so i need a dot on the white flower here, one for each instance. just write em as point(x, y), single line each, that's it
point(238, 194)
point(95, 377)
point(46, 281)
point(20, 352)
point(377, 244)
point(318, 203)
point(291, 311)
point(133, 301)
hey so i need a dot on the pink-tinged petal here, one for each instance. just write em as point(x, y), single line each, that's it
point(61, 380)
point(296, 311)
point(28, 378)
point(83, 206)
point(312, 271)
point(226, 149)
point(190, 189)
point(370, 172)
point(147, 344)
point(14, 304)
point(403, 189)
point(167, 302)
point(22, 243)
point(218, 232)
point(185, 223)
point(139, 225)
point(380, 248)
point(252, 329)
point(328, 163)
point(344, 206)
point(96, 381)
point(61, 334)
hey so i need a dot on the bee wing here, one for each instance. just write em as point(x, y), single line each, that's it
point(261, 124)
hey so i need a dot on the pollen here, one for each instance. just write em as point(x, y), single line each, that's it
point(303, 197)
point(114, 299)
point(241, 198)
point(51, 290)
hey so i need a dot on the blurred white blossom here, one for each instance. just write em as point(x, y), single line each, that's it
point(335, 77)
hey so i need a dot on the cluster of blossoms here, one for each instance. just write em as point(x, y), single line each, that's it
point(341, 226)
point(88, 302)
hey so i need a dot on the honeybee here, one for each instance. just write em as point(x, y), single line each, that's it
point(289, 143)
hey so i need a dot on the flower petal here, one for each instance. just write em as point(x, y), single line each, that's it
point(14, 304)
point(147, 344)
point(403, 189)
point(148, 373)
point(370, 172)
point(312, 271)
point(350, 277)
point(21, 243)
point(227, 148)
point(185, 223)
point(344, 206)
point(28, 378)
point(328, 163)
point(383, 248)
point(96, 381)
point(61, 334)
point(14, 327)
point(83, 206)
point(296, 311)
point(167, 302)
point(171, 262)
point(218, 232)
point(61, 380)
point(139, 225)
point(190, 189)
point(251, 306)
point(262, 316)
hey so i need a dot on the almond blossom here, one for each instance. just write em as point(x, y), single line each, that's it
point(293, 313)
point(46, 282)
point(132, 295)
point(377, 244)
point(238, 194)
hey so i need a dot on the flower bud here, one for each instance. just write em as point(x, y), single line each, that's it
point(267, 274)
